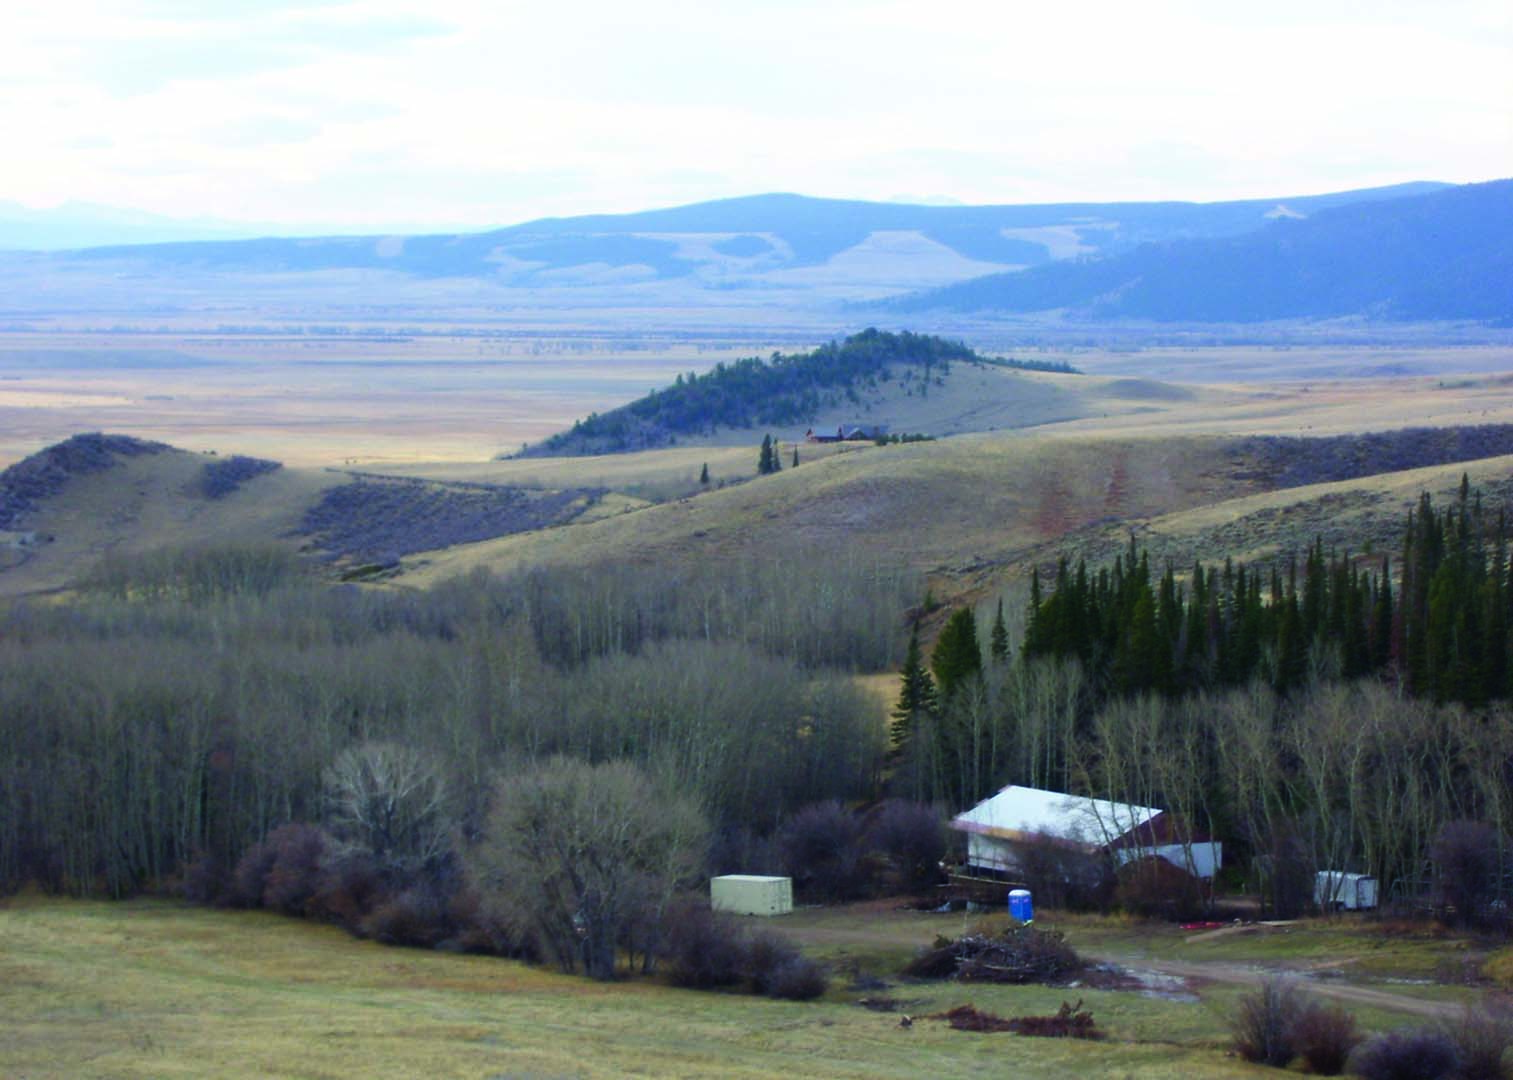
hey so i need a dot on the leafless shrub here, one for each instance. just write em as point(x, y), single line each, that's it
point(1264, 1026)
point(1465, 858)
point(911, 838)
point(281, 872)
point(1422, 1054)
point(797, 979)
point(704, 949)
point(823, 852)
point(417, 917)
point(250, 875)
point(707, 950)
point(1066, 877)
point(1482, 1036)
point(484, 929)
point(295, 875)
point(1154, 888)
point(1324, 1037)
point(351, 885)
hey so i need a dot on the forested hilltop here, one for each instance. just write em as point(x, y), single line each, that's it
point(784, 389)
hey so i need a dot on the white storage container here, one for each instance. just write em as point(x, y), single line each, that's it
point(751, 894)
point(1335, 890)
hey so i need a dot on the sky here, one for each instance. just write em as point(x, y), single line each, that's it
point(459, 114)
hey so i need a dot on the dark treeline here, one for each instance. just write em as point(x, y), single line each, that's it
point(191, 702)
point(785, 388)
point(1444, 634)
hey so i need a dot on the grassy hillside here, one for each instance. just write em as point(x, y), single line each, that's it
point(951, 507)
point(976, 511)
point(1440, 256)
point(68, 507)
point(138, 501)
point(158, 990)
point(1041, 456)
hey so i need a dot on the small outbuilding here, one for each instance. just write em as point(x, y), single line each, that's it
point(1001, 827)
point(1335, 890)
point(751, 894)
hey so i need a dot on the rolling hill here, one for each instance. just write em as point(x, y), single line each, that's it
point(70, 505)
point(1444, 255)
point(897, 384)
point(1043, 461)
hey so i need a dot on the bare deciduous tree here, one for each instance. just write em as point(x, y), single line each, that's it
point(391, 799)
point(589, 855)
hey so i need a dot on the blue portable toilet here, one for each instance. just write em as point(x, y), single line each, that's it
point(1020, 906)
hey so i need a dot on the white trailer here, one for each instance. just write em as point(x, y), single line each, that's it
point(1336, 890)
point(751, 894)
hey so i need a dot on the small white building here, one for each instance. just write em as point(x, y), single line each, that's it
point(751, 894)
point(999, 827)
point(1335, 890)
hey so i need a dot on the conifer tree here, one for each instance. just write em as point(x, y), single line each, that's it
point(764, 459)
point(998, 643)
point(916, 695)
point(957, 658)
point(777, 456)
point(795, 455)
point(704, 474)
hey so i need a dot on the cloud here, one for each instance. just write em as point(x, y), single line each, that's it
point(499, 111)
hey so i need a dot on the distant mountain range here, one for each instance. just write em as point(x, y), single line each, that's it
point(1444, 255)
point(1421, 252)
point(750, 236)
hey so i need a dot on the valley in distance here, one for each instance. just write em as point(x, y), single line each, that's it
point(431, 652)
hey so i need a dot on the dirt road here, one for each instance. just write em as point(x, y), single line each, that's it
point(1248, 975)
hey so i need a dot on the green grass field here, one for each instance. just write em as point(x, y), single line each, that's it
point(155, 989)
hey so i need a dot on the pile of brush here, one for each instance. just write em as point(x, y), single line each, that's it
point(1017, 954)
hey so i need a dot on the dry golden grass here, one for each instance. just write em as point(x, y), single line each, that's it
point(953, 508)
point(149, 989)
point(653, 474)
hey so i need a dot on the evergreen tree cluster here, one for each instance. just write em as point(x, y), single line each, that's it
point(785, 388)
point(1445, 636)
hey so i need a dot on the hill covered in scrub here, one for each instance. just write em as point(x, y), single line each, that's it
point(1446, 255)
point(45, 473)
point(780, 391)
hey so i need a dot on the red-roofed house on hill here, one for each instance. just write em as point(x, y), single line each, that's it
point(847, 433)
